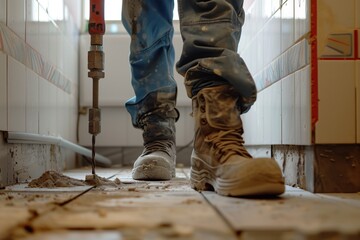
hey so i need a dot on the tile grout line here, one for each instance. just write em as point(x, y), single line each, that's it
point(75, 197)
point(336, 199)
point(219, 213)
point(227, 222)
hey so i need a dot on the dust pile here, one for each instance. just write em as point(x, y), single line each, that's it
point(98, 181)
point(53, 179)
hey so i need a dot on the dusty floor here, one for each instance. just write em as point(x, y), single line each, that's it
point(171, 210)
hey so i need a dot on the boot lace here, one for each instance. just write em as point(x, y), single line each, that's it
point(226, 144)
point(165, 146)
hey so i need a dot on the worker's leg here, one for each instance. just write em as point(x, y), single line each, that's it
point(211, 31)
point(221, 88)
point(153, 107)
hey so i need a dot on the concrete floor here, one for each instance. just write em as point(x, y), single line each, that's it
point(171, 210)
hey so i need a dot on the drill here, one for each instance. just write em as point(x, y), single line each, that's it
point(96, 66)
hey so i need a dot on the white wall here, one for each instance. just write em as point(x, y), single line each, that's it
point(39, 67)
point(278, 56)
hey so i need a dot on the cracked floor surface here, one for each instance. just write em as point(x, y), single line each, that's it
point(171, 210)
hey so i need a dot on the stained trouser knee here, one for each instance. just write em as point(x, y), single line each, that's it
point(211, 31)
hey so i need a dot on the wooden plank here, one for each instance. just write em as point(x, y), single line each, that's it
point(346, 198)
point(82, 172)
point(18, 208)
point(19, 204)
point(296, 211)
point(159, 209)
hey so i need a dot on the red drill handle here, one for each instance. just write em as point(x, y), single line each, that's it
point(97, 22)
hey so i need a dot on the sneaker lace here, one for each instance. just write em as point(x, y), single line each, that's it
point(227, 143)
point(165, 146)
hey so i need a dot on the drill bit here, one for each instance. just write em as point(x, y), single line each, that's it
point(94, 115)
point(94, 120)
point(93, 155)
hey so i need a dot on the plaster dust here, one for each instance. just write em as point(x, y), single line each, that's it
point(53, 179)
point(98, 181)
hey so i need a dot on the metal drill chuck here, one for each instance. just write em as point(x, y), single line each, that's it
point(94, 121)
point(96, 67)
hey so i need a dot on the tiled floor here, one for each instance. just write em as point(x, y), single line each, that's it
point(171, 210)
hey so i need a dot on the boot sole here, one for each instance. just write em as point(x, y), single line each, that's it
point(144, 172)
point(205, 180)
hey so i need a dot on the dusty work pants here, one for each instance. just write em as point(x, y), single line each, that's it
point(211, 32)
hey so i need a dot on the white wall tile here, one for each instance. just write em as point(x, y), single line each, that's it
point(3, 91)
point(336, 102)
point(52, 110)
point(32, 24)
point(271, 120)
point(53, 43)
point(275, 5)
point(3, 11)
point(266, 120)
point(66, 122)
point(44, 106)
point(16, 17)
point(75, 7)
point(44, 3)
point(272, 39)
point(60, 52)
point(287, 25)
point(302, 18)
point(115, 88)
point(65, 132)
point(258, 52)
point(63, 114)
point(269, 9)
point(32, 102)
point(16, 95)
point(288, 110)
point(43, 33)
point(276, 112)
point(297, 106)
point(259, 132)
point(56, 9)
point(305, 106)
point(73, 115)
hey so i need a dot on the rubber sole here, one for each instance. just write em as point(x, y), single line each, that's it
point(206, 180)
point(151, 172)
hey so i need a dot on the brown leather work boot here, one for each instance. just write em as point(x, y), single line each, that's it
point(219, 160)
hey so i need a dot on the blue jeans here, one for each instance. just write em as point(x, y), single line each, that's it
point(211, 32)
